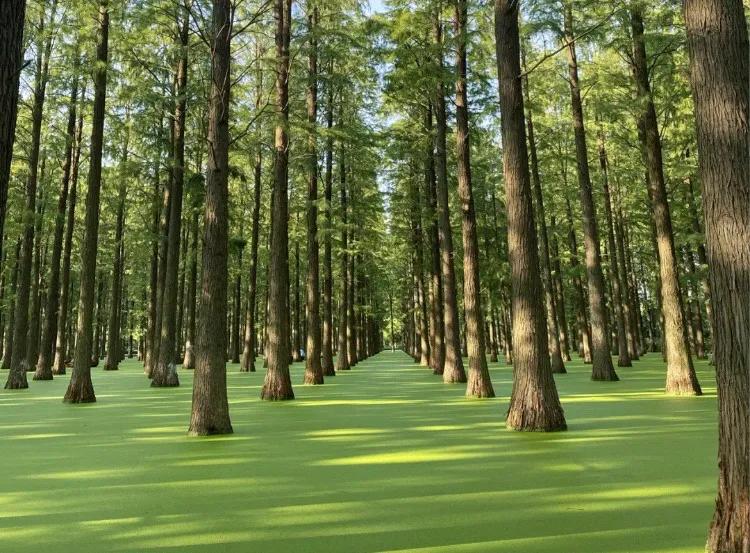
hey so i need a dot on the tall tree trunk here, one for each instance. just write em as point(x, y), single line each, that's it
point(479, 383)
point(313, 367)
point(179, 334)
point(342, 356)
point(602, 368)
point(52, 319)
point(81, 389)
point(237, 309)
point(35, 295)
point(534, 403)
point(111, 363)
point(581, 315)
point(417, 241)
point(278, 383)
point(165, 373)
point(453, 370)
point(681, 378)
point(617, 285)
point(327, 354)
point(351, 333)
point(8, 344)
point(210, 410)
point(553, 333)
point(188, 361)
point(150, 354)
point(562, 321)
point(701, 250)
point(19, 364)
point(12, 15)
point(437, 330)
point(248, 352)
point(720, 77)
point(61, 346)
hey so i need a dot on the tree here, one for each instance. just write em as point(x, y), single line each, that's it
point(278, 383)
point(81, 389)
point(210, 408)
point(534, 403)
point(602, 368)
point(719, 75)
point(479, 383)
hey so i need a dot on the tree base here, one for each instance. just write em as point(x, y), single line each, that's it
point(454, 374)
point(210, 429)
point(43, 373)
point(166, 377)
point(80, 389)
point(557, 365)
point(624, 362)
point(604, 371)
point(535, 413)
point(313, 378)
point(17, 378)
point(111, 368)
point(730, 528)
point(59, 371)
point(683, 386)
point(479, 386)
point(493, 358)
point(277, 386)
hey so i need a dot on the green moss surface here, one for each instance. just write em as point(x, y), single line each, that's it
point(384, 458)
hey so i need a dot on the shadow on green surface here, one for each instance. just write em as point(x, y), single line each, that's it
point(384, 458)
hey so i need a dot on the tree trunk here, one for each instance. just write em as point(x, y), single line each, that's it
point(8, 344)
point(602, 368)
point(81, 389)
point(12, 16)
point(479, 384)
point(534, 403)
point(327, 356)
point(581, 316)
point(562, 322)
point(111, 363)
point(237, 309)
point(617, 284)
point(553, 333)
point(351, 336)
point(681, 378)
point(32, 338)
point(165, 373)
point(210, 410)
point(453, 370)
point(44, 368)
point(19, 364)
point(342, 356)
point(719, 75)
point(278, 383)
point(188, 362)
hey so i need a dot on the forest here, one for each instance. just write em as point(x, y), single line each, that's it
point(366, 276)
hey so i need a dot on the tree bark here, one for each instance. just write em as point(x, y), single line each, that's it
point(479, 384)
point(681, 378)
point(342, 355)
point(719, 75)
point(188, 362)
point(453, 370)
point(210, 409)
point(437, 330)
point(327, 357)
point(12, 16)
point(278, 383)
point(81, 389)
point(602, 368)
point(534, 403)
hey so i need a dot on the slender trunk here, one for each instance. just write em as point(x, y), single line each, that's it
point(617, 284)
point(35, 295)
point(534, 403)
point(602, 368)
point(248, 353)
point(681, 378)
point(553, 333)
point(8, 344)
point(327, 354)
point(437, 330)
point(236, 310)
point(351, 336)
point(188, 361)
point(342, 356)
point(701, 250)
point(453, 370)
point(479, 384)
point(562, 321)
point(278, 383)
point(581, 315)
point(210, 409)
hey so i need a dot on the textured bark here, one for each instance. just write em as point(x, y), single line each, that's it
point(81, 389)
point(313, 367)
point(628, 299)
point(44, 366)
point(534, 403)
point(8, 342)
point(342, 355)
point(112, 361)
point(327, 354)
point(681, 378)
point(248, 351)
point(278, 384)
point(296, 331)
point(479, 384)
point(720, 77)
point(694, 314)
point(453, 370)
point(602, 368)
point(35, 295)
point(165, 373)
point(562, 321)
point(351, 335)
point(188, 362)
point(702, 258)
point(237, 308)
point(553, 334)
point(12, 14)
point(148, 358)
point(19, 363)
point(584, 333)
point(623, 352)
point(417, 241)
point(437, 330)
point(210, 409)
